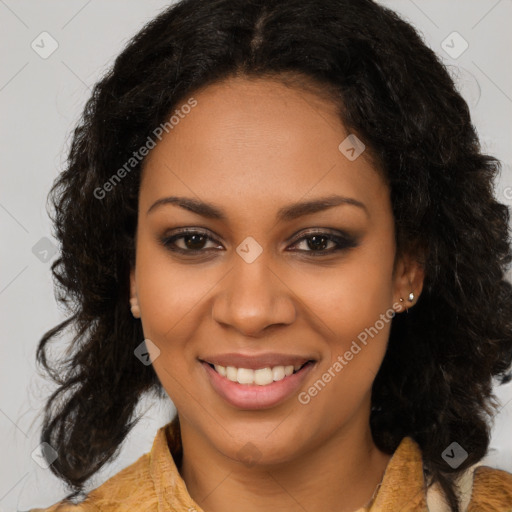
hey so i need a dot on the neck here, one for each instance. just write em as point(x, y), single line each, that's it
point(339, 475)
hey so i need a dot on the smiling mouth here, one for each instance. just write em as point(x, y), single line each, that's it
point(259, 377)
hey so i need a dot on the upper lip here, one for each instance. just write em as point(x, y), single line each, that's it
point(254, 362)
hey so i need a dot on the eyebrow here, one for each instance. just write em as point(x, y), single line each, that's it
point(284, 214)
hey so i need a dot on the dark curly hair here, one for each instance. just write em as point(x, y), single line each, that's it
point(436, 380)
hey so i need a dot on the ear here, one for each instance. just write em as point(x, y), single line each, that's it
point(134, 301)
point(409, 277)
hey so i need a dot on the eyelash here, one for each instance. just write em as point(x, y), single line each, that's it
point(342, 242)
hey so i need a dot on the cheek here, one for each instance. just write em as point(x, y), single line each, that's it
point(170, 301)
point(354, 303)
point(359, 319)
point(352, 297)
point(171, 296)
point(170, 293)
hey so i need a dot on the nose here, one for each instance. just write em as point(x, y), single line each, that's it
point(252, 298)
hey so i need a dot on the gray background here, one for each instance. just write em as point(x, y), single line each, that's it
point(40, 101)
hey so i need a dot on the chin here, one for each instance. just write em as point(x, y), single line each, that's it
point(267, 447)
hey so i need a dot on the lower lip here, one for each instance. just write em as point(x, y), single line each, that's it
point(252, 396)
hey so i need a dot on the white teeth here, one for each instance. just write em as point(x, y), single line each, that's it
point(231, 373)
point(220, 369)
point(263, 376)
point(278, 373)
point(245, 376)
point(260, 377)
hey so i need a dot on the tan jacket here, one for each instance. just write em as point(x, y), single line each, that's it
point(153, 484)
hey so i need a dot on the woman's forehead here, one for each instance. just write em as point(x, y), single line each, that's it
point(259, 139)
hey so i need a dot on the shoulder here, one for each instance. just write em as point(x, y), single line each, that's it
point(130, 489)
point(492, 490)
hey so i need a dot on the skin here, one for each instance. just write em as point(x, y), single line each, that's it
point(251, 147)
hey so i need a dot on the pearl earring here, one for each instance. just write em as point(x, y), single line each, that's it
point(410, 298)
point(135, 307)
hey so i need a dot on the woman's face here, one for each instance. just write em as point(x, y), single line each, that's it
point(248, 289)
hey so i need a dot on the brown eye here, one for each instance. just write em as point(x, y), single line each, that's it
point(318, 242)
point(194, 242)
point(188, 242)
